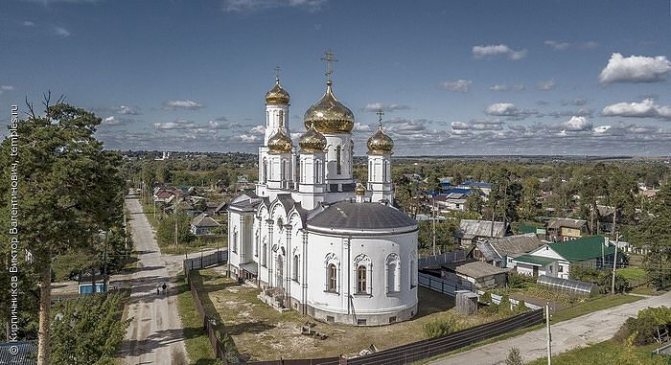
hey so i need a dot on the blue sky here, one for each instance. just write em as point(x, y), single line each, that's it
point(454, 77)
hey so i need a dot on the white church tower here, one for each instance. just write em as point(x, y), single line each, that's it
point(380, 148)
point(311, 184)
point(277, 108)
point(279, 160)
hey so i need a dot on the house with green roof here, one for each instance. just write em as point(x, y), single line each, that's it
point(557, 258)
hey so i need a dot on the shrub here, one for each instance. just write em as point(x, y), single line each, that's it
point(647, 327)
point(440, 328)
point(486, 298)
point(521, 307)
point(514, 357)
point(519, 281)
point(504, 305)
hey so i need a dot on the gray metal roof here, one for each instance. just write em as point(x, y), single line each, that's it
point(509, 246)
point(470, 228)
point(361, 216)
point(566, 222)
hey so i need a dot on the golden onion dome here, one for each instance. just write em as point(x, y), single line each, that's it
point(380, 143)
point(277, 95)
point(280, 142)
point(329, 116)
point(312, 141)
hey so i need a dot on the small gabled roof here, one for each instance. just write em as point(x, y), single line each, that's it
point(204, 220)
point(555, 223)
point(475, 269)
point(478, 228)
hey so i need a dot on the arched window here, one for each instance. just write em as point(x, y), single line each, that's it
point(235, 241)
point(265, 170)
point(393, 274)
point(413, 270)
point(320, 172)
point(361, 283)
point(338, 158)
point(279, 271)
point(296, 267)
point(264, 254)
point(332, 278)
point(256, 244)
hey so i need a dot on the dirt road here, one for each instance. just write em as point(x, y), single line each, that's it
point(578, 332)
point(155, 332)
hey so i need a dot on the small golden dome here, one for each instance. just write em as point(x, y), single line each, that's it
point(312, 141)
point(280, 142)
point(380, 143)
point(360, 189)
point(329, 116)
point(277, 95)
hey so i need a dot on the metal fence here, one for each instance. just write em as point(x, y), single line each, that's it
point(413, 352)
point(444, 286)
point(203, 261)
point(439, 260)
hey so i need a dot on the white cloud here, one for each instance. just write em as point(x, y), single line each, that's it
point(248, 138)
point(559, 46)
point(175, 125)
point(111, 120)
point(182, 104)
point(461, 86)
point(28, 23)
point(645, 109)
point(358, 127)
point(258, 130)
point(602, 129)
point(547, 85)
point(128, 110)
point(635, 69)
point(459, 125)
point(508, 110)
point(504, 87)
point(258, 5)
point(377, 106)
point(62, 32)
point(577, 124)
point(4, 88)
point(562, 46)
point(498, 50)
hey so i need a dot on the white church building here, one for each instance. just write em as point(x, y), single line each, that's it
point(314, 238)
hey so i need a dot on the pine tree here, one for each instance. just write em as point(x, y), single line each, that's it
point(68, 191)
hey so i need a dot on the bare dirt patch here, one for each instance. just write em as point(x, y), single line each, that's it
point(262, 333)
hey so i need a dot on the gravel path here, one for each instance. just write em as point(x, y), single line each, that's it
point(154, 335)
point(578, 332)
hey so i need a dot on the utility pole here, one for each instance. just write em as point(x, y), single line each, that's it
point(549, 336)
point(612, 285)
point(433, 209)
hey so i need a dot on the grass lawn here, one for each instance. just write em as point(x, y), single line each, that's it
point(263, 333)
point(592, 305)
point(606, 353)
point(197, 344)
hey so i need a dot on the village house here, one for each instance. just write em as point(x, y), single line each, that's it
point(475, 275)
point(501, 251)
point(470, 230)
point(564, 229)
point(204, 225)
point(556, 258)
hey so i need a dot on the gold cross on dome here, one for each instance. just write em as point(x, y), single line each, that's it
point(329, 59)
point(379, 113)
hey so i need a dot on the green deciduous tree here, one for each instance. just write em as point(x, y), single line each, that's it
point(68, 188)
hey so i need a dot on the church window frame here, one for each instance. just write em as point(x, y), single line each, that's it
point(265, 170)
point(234, 247)
point(361, 280)
point(256, 244)
point(393, 273)
point(413, 270)
point(338, 160)
point(331, 271)
point(296, 267)
point(364, 287)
